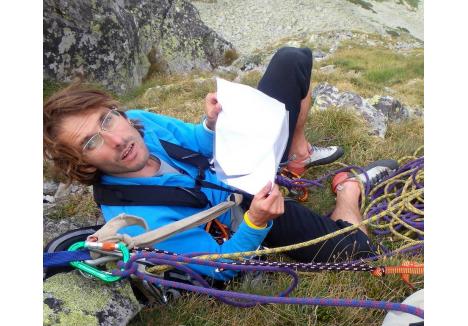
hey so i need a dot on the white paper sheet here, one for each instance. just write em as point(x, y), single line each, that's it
point(251, 136)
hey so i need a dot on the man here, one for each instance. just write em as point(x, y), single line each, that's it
point(91, 141)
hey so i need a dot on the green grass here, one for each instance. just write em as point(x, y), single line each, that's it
point(82, 205)
point(412, 3)
point(202, 310)
point(369, 70)
point(49, 87)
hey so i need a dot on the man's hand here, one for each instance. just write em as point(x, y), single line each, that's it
point(212, 109)
point(265, 207)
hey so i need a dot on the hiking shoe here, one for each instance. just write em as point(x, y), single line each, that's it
point(317, 156)
point(376, 171)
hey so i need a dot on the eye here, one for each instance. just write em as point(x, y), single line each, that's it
point(108, 121)
point(93, 143)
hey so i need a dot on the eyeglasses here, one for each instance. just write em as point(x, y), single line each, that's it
point(108, 124)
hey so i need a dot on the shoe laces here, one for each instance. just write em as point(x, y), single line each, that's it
point(321, 149)
point(380, 176)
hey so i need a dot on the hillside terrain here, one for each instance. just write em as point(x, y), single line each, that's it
point(368, 55)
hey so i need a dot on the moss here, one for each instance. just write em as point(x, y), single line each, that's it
point(49, 87)
point(363, 4)
point(76, 293)
point(80, 299)
point(230, 56)
point(95, 27)
point(156, 65)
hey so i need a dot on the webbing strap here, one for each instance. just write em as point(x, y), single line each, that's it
point(144, 195)
point(63, 258)
point(109, 231)
point(188, 156)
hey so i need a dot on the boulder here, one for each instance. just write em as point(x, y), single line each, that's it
point(327, 95)
point(72, 299)
point(119, 43)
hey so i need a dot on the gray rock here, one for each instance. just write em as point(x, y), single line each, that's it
point(62, 191)
point(48, 199)
point(327, 69)
point(390, 107)
point(326, 96)
point(49, 188)
point(249, 62)
point(52, 228)
point(71, 299)
point(318, 54)
point(118, 43)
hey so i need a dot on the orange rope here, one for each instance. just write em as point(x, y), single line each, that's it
point(406, 269)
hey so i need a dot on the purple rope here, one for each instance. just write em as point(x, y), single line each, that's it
point(357, 266)
point(245, 299)
point(306, 183)
point(260, 299)
point(396, 187)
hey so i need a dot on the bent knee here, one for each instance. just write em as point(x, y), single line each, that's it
point(294, 56)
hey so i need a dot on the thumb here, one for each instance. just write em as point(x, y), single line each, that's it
point(264, 191)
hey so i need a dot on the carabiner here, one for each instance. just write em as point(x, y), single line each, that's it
point(102, 275)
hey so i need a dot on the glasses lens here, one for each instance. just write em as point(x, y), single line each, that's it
point(109, 120)
point(93, 143)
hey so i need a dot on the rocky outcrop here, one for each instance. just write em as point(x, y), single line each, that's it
point(377, 111)
point(118, 43)
point(71, 299)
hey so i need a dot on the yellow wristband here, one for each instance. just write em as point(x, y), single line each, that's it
point(250, 224)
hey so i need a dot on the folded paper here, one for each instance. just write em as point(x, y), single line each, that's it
point(251, 136)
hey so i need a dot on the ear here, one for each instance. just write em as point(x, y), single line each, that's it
point(88, 168)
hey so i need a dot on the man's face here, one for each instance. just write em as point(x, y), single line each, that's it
point(123, 151)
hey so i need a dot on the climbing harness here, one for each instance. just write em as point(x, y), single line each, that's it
point(396, 209)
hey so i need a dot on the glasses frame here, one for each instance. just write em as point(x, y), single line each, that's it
point(112, 110)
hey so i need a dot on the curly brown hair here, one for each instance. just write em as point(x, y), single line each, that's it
point(72, 100)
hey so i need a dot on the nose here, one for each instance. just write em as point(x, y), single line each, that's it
point(113, 140)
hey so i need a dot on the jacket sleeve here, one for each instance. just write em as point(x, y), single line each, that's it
point(193, 136)
point(195, 240)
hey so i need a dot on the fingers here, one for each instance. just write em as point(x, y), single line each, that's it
point(269, 200)
point(264, 191)
point(275, 201)
point(212, 110)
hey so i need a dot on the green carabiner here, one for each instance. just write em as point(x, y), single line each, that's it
point(102, 275)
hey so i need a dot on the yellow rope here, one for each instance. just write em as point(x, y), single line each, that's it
point(395, 206)
point(326, 237)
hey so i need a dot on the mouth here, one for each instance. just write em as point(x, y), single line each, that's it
point(128, 151)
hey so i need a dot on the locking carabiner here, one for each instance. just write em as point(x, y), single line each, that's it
point(102, 275)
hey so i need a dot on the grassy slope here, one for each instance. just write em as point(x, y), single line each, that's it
point(365, 70)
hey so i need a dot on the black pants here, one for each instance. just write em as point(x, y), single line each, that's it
point(287, 79)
